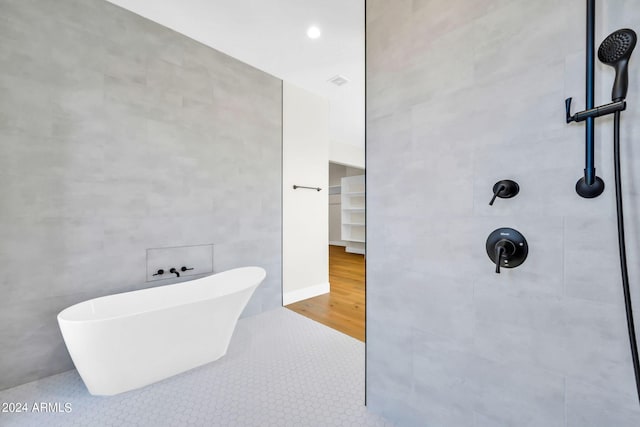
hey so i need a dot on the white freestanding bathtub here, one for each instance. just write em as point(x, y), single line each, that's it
point(126, 341)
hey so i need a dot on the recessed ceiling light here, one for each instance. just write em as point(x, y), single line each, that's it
point(313, 32)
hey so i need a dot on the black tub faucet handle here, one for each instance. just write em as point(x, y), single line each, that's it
point(504, 189)
point(497, 191)
point(183, 269)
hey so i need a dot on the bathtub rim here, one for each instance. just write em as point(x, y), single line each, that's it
point(61, 319)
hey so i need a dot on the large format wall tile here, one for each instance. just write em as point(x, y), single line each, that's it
point(118, 135)
point(460, 96)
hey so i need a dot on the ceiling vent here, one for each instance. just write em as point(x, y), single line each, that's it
point(338, 80)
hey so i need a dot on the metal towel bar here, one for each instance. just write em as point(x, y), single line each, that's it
point(295, 187)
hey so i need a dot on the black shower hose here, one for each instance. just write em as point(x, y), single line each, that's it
point(623, 252)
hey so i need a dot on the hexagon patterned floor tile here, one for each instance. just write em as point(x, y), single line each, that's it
point(281, 369)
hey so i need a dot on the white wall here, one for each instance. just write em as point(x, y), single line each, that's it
point(305, 147)
point(346, 154)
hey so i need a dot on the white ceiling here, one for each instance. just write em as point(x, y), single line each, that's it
point(271, 36)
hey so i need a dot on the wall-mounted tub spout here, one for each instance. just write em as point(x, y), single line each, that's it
point(174, 271)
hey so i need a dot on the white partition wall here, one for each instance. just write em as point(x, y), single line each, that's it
point(305, 233)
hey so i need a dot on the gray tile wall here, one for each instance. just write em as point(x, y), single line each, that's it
point(460, 95)
point(118, 135)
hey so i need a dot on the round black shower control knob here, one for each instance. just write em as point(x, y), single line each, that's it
point(507, 248)
point(159, 272)
point(183, 269)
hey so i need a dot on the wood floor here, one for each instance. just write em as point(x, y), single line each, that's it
point(343, 308)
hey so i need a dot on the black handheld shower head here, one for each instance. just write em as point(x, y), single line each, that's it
point(616, 50)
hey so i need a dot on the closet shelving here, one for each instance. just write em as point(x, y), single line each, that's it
point(353, 213)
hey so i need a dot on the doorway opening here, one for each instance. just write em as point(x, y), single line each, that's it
point(343, 307)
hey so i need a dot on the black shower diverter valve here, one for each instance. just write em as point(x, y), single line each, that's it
point(507, 248)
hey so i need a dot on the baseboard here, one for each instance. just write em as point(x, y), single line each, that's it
point(338, 243)
point(352, 250)
point(305, 293)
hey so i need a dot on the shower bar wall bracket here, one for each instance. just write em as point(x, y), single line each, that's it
point(600, 111)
